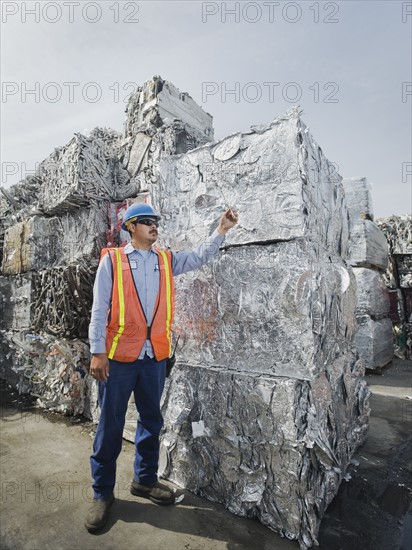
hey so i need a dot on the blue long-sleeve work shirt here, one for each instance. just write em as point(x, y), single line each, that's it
point(146, 275)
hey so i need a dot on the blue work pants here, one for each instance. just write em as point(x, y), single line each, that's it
point(145, 378)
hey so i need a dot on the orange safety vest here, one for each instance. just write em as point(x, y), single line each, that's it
point(126, 327)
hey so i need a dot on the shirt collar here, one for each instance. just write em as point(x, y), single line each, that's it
point(129, 248)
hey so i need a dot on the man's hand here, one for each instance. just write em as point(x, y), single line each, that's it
point(99, 366)
point(227, 221)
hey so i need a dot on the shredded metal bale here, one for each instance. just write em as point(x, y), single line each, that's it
point(52, 369)
point(374, 341)
point(398, 232)
point(31, 244)
point(63, 299)
point(83, 172)
point(358, 199)
point(372, 294)
point(17, 295)
point(268, 447)
point(368, 246)
point(398, 278)
point(258, 302)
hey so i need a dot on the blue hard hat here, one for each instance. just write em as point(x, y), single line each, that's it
point(138, 210)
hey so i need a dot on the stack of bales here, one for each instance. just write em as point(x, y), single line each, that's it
point(268, 402)
point(50, 248)
point(398, 279)
point(368, 254)
point(52, 227)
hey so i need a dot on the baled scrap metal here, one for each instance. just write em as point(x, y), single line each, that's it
point(404, 267)
point(31, 244)
point(276, 176)
point(358, 199)
point(398, 232)
point(17, 294)
point(63, 298)
point(82, 234)
point(368, 246)
point(279, 302)
point(372, 294)
point(17, 203)
point(160, 121)
point(268, 447)
point(143, 153)
point(158, 101)
point(38, 242)
point(257, 302)
point(82, 172)
point(374, 341)
point(398, 278)
point(373, 338)
point(52, 369)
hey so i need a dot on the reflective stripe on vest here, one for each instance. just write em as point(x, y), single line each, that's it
point(169, 306)
point(126, 329)
point(121, 303)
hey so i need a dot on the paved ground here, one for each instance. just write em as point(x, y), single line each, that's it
point(45, 489)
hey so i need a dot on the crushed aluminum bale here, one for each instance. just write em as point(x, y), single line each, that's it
point(273, 448)
point(276, 176)
point(17, 294)
point(53, 369)
point(374, 341)
point(372, 294)
point(398, 279)
point(368, 246)
point(257, 302)
point(358, 199)
point(398, 232)
point(63, 299)
point(84, 171)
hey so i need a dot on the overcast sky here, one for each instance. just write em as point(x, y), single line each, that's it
point(347, 64)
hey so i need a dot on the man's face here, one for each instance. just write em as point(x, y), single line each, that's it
point(144, 232)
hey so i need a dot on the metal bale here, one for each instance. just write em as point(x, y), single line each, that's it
point(374, 341)
point(62, 300)
point(54, 370)
point(159, 101)
point(368, 246)
point(82, 234)
point(17, 294)
point(276, 176)
point(268, 447)
point(82, 172)
point(31, 244)
point(358, 199)
point(372, 294)
point(398, 232)
point(160, 121)
point(271, 309)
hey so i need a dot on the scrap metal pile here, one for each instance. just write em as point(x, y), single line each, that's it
point(398, 279)
point(267, 403)
point(368, 254)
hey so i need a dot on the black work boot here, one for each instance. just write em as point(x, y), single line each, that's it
point(98, 514)
point(157, 493)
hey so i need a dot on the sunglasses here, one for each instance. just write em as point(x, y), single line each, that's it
point(148, 222)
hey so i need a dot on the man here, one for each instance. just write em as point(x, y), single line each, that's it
point(130, 341)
